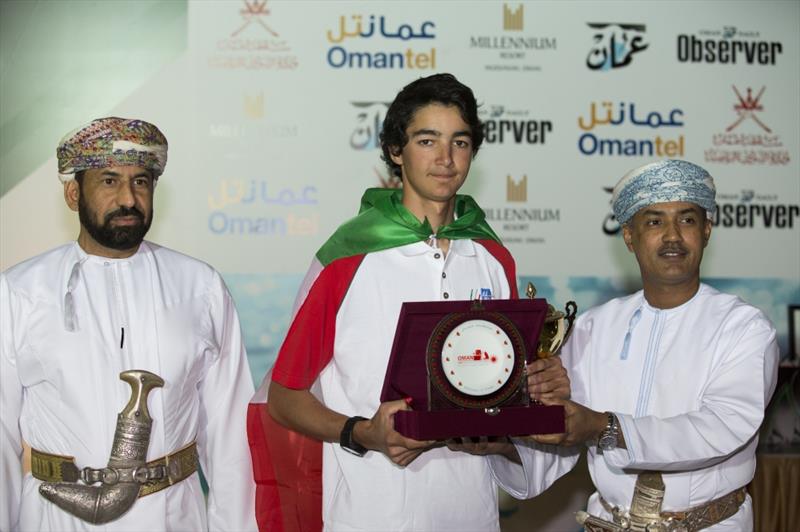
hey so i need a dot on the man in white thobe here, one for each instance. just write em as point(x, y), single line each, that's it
point(75, 317)
point(671, 381)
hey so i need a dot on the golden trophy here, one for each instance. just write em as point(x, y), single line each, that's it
point(557, 326)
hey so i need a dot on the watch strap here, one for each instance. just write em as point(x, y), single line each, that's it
point(609, 438)
point(346, 439)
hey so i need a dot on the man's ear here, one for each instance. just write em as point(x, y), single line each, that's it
point(72, 192)
point(706, 232)
point(627, 236)
point(396, 153)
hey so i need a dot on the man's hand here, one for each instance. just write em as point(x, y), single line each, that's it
point(581, 425)
point(378, 434)
point(485, 445)
point(547, 379)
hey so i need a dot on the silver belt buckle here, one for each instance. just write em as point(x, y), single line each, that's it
point(173, 469)
point(674, 525)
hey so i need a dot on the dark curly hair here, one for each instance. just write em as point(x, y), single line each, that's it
point(443, 89)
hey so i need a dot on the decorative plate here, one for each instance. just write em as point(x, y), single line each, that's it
point(476, 359)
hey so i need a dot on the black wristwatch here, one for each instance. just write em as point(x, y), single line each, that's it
point(609, 438)
point(346, 437)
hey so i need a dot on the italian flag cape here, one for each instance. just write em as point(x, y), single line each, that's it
point(287, 466)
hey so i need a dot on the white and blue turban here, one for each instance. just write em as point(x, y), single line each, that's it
point(663, 182)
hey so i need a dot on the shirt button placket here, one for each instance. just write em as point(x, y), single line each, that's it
point(445, 292)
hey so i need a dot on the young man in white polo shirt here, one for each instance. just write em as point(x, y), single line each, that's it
point(419, 243)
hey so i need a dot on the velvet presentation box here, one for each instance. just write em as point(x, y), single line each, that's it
point(433, 415)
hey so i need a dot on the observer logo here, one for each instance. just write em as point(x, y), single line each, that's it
point(751, 209)
point(507, 125)
point(730, 45)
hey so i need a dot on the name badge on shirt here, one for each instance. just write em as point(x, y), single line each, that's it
point(481, 293)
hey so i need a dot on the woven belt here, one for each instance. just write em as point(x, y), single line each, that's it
point(153, 476)
point(699, 517)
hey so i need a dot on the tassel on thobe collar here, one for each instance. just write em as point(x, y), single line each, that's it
point(70, 316)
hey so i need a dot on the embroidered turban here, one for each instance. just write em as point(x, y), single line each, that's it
point(112, 141)
point(662, 182)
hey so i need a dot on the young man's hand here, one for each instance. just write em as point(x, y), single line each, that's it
point(378, 434)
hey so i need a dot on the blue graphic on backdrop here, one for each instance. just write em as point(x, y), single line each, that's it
point(265, 306)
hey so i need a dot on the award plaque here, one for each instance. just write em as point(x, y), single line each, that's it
point(462, 363)
point(475, 359)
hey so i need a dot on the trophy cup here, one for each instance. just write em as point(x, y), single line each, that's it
point(555, 331)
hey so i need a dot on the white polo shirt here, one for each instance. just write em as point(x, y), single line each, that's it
point(441, 490)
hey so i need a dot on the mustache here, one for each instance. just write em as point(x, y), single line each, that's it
point(672, 248)
point(124, 211)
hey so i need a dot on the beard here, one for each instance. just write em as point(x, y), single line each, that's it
point(114, 237)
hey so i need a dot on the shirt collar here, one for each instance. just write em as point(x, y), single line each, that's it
point(73, 277)
point(463, 246)
point(86, 257)
point(646, 304)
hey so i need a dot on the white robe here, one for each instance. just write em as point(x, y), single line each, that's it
point(61, 392)
point(690, 395)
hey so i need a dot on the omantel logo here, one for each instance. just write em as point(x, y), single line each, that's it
point(260, 208)
point(253, 43)
point(397, 36)
point(748, 139)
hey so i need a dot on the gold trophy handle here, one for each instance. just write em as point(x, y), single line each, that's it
point(572, 311)
point(557, 326)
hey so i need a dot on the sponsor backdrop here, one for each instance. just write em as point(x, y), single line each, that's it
point(273, 111)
